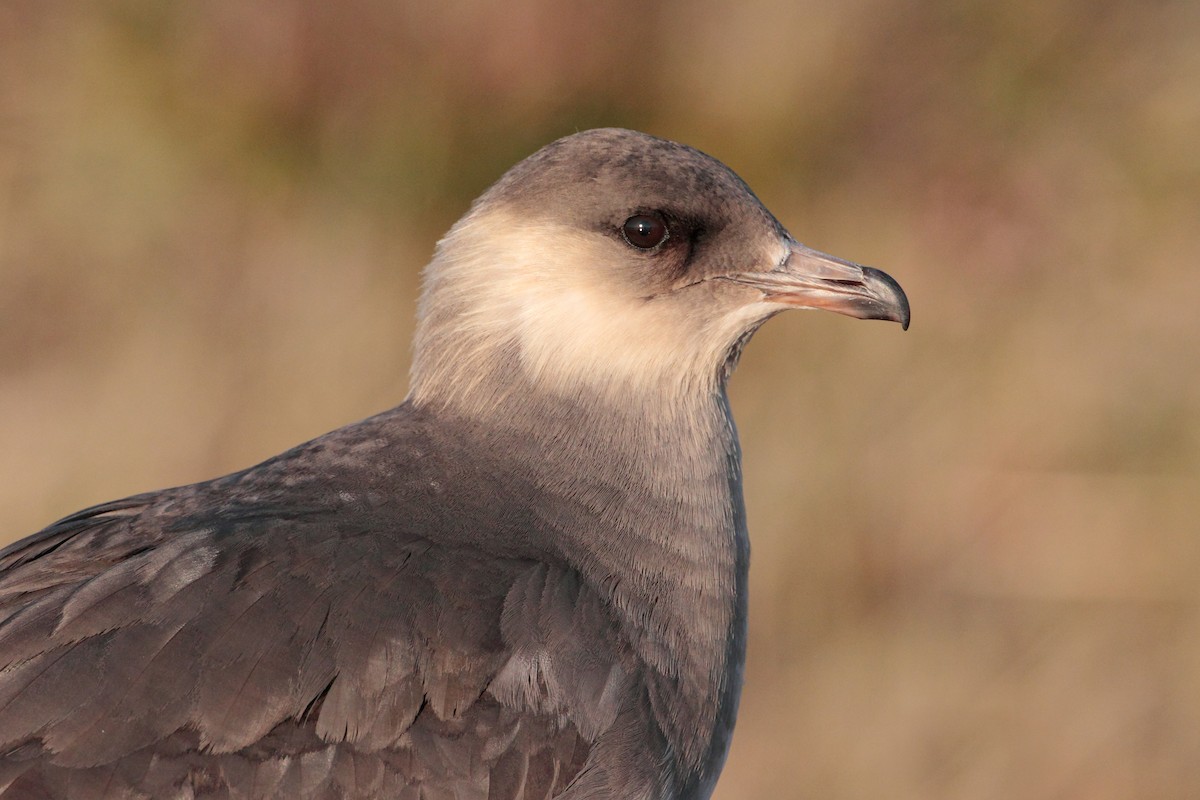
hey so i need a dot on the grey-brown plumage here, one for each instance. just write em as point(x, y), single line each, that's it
point(527, 581)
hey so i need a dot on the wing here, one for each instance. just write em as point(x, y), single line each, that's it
point(150, 648)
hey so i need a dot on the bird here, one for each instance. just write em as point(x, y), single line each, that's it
point(528, 580)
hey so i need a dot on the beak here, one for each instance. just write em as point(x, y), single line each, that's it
point(811, 279)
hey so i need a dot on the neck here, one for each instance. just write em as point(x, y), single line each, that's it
point(657, 480)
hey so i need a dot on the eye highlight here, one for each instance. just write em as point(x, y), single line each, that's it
point(645, 232)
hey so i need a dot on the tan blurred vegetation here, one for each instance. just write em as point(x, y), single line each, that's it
point(977, 555)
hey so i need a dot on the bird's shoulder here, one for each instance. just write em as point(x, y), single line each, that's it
point(318, 620)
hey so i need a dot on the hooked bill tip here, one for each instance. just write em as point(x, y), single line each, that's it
point(892, 297)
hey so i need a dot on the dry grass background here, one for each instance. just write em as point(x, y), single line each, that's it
point(977, 547)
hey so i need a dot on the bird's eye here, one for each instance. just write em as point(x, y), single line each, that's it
point(644, 232)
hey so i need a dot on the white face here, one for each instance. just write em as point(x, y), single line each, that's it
point(559, 299)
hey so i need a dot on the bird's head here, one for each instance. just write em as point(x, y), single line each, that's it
point(617, 263)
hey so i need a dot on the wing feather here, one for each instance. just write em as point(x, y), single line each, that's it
point(145, 647)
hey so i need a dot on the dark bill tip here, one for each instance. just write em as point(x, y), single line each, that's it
point(891, 300)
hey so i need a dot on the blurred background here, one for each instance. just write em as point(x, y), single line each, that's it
point(976, 544)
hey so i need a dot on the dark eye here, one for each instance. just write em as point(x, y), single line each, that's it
point(644, 231)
